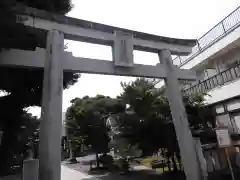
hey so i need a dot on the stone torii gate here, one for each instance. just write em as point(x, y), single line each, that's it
point(54, 61)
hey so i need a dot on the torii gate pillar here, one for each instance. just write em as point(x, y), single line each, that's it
point(180, 120)
point(51, 117)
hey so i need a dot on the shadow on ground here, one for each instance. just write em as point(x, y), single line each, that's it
point(152, 175)
point(12, 177)
point(139, 175)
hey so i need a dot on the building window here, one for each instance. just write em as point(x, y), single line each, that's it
point(236, 122)
point(223, 121)
point(220, 109)
point(233, 105)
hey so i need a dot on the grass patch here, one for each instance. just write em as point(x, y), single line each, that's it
point(148, 160)
point(151, 158)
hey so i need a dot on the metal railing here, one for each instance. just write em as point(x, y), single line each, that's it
point(223, 28)
point(217, 80)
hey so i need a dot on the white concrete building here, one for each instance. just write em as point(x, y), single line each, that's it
point(216, 60)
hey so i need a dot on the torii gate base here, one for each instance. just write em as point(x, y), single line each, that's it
point(50, 133)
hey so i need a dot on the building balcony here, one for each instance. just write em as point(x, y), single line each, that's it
point(219, 37)
point(221, 79)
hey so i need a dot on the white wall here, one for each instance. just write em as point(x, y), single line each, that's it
point(224, 92)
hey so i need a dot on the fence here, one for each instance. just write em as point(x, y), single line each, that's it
point(228, 24)
point(214, 81)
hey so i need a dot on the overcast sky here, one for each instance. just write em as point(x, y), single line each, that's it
point(172, 18)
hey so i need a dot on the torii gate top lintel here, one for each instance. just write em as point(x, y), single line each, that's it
point(87, 31)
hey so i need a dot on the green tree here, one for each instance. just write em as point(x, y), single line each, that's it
point(154, 128)
point(140, 95)
point(86, 120)
point(23, 85)
point(145, 102)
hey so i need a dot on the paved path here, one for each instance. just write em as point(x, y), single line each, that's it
point(10, 178)
point(79, 172)
point(71, 174)
point(66, 174)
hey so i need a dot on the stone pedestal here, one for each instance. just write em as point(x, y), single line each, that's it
point(180, 120)
point(30, 169)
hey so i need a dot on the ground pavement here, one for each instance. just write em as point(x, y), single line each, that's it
point(66, 174)
point(80, 171)
point(72, 174)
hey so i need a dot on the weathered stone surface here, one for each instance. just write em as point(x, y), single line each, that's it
point(180, 120)
point(30, 169)
point(123, 50)
point(51, 118)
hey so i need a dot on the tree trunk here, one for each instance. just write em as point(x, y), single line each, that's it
point(174, 164)
point(72, 154)
point(70, 150)
point(97, 159)
point(10, 123)
point(169, 164)
point(179, 160)
point(6, 149)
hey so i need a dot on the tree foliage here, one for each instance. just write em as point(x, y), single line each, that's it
point(147, 123)
point(86, 121)
point(156, 129)
point(23, 85)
